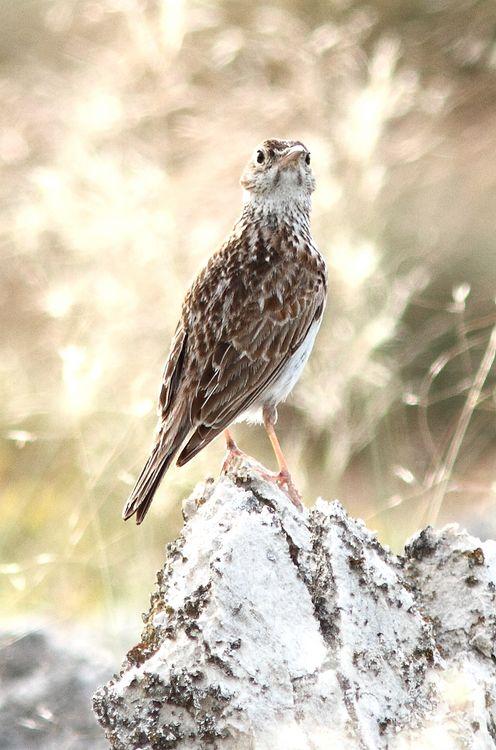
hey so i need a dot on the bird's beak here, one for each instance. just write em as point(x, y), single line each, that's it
point(291, 156)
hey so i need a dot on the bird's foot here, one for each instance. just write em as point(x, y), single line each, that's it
point(284, 481)
point(233, 457)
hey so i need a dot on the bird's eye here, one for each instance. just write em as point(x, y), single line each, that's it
point(307, 158)
point(260, 157)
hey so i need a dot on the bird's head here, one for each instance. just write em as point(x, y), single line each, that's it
point(279, 173)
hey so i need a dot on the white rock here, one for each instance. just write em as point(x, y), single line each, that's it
point(274, 629)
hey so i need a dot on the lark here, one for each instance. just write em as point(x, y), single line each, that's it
point(248, 323)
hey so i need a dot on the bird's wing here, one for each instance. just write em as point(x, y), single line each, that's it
point(173, 370)
point(245, 348)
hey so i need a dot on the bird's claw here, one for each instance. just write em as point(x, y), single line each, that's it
point(284, 481)
point(233, 455)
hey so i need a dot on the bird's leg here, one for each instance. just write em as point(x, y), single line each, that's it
point(233, 451)
point(230, 444)
point(283, 479)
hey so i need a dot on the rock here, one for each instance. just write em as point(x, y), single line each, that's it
point(45, 692)
point(272, 629)
point(454, 575)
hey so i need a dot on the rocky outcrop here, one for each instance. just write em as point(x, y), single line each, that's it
point(274, 629)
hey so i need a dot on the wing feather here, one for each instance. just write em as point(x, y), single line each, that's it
point(173, 370)
point(251, 361)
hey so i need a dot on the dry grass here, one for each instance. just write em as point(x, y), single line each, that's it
point(124, 129)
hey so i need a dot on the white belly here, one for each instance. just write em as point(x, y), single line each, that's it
point(280, 389)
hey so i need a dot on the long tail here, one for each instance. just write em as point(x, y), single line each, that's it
point(146, 485)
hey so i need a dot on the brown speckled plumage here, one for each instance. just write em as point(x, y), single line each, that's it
point(248, 321)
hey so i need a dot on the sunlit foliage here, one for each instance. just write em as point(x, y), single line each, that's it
point(123, 130)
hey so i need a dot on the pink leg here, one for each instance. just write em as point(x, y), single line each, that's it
point(283, 479)
point(232, 451)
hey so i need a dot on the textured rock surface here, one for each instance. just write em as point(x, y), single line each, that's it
point(46, 682)
point(273, 629)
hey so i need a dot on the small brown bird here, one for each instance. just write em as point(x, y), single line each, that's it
point(248, 322)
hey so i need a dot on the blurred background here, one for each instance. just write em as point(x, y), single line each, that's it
point(124, 128)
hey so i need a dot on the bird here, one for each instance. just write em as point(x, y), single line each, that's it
point(247, 325)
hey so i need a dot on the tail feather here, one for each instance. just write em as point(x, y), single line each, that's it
point(197, 442)
point(148, 481)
